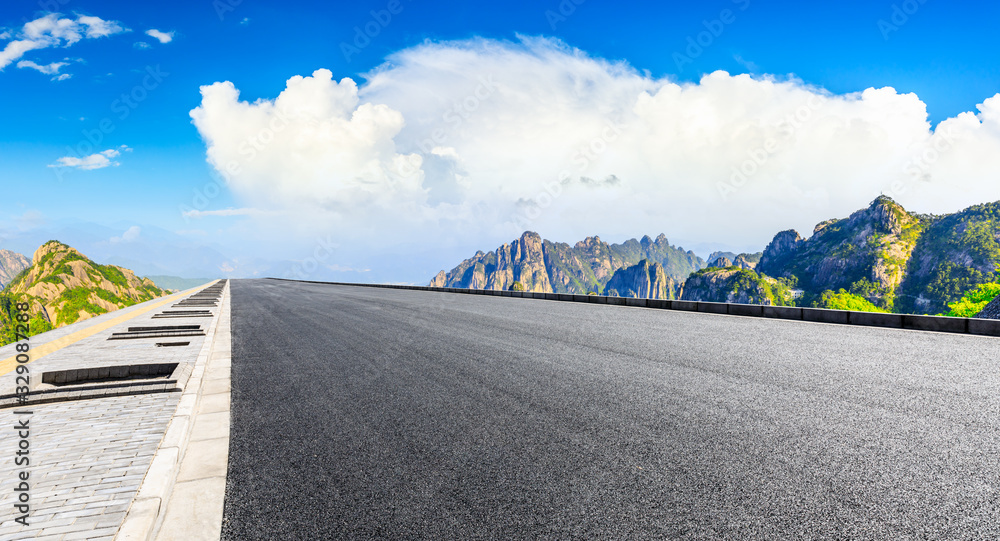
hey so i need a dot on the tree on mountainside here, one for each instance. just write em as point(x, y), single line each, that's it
point(974, 300)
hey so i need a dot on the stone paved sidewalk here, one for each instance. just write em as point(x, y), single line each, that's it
point(89, 457)
point(87, 460)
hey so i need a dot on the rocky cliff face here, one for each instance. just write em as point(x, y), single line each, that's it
point(550, 267)
point(63, 286)
point(953, 254)
point(865, 254)
point(732, 284)
point(644, 280)
point(11, 263)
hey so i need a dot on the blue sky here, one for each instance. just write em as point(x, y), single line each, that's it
point(945, 53)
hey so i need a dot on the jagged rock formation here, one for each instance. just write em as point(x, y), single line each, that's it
point(730, 284)
point(11, 263)
point(747, 261)
point(551, 267)
point(644, 280)
point(780, 252)
point(714, 257)
point(62, 286)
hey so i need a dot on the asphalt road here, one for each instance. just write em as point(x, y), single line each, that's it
point(365, 413)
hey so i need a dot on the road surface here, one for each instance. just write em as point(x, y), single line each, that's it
point(374, 413)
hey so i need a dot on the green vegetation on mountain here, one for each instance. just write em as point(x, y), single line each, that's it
point(955, 254)
point(865, 254)
point(62, 287)
point(736, 285)
point(843, 300)
point(896, 260)
point(974, 301)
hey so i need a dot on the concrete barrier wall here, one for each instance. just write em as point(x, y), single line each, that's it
point(983, 327)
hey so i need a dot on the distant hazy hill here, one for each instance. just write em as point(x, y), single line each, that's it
point(62, 286)
point(11, 263)
point(176, 283)
point(551, 267)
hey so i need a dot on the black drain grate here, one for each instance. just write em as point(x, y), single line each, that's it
point(165, 331)
point(166, 328)
point(108, 374)
point(171, 344)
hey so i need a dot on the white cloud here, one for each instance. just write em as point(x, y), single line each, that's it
point(478, 139)
point(245, 21)
point(164, 37)
point(49, 69)
point(54, 30)
point(141, 45)
point(93, 161)
point(62, 77)
point(130, 235)
point(5, 35)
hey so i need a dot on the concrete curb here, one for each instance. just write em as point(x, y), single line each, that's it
point(145, 520)
point(957, 325)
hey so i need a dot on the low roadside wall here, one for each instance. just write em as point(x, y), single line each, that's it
point(961, 325)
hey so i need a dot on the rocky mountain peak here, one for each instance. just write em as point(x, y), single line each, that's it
point(55, 247)
point(11, 264)
point(644, 280)
point(779, 250)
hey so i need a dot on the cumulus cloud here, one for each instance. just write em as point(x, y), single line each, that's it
point(315, 147)
point(163, 37)
point(141, 45)
point(93, 161)
point(54, 30)
point(479, 139)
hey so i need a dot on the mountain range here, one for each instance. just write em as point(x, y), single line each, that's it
point(586, 267)
point(884, 255)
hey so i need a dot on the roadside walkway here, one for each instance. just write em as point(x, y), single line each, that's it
point(90, 452)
